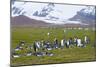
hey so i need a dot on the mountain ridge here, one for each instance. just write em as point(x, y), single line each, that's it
point(48, 13)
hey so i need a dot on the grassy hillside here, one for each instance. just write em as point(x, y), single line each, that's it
point(29, 35)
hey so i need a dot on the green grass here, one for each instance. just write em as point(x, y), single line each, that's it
point(66, 55)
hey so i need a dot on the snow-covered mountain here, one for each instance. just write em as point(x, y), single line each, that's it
point(36, 11)
point(89, 12)
point(50, 12)
point(86, 15)
point(45, 10)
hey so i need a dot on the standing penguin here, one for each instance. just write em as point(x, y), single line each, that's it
point(34, 46)
point(86, 39)
point(55, 43)
point(62, 43)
